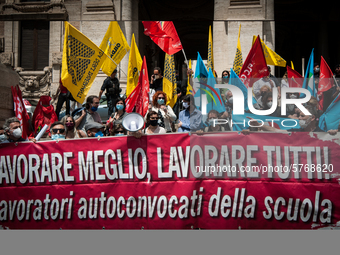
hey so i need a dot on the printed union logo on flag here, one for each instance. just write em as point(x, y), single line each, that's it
point(78, 59)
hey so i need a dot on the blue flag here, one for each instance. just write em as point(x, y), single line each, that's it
point(201, 75)
point(308, 82)
point(216, 102)
point(240, 122)
point(236, 81)
point(331, 117)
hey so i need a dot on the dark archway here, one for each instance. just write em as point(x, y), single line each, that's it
point(302, 25)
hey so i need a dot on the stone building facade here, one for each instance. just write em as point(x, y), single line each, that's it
point(23, 22)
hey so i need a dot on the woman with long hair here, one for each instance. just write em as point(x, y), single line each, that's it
point(71, 131)
point(164, 112)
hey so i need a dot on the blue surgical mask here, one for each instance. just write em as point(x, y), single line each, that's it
point(119, 134)
point(2, 138)
point(94, 109)
point(185, 105)
point(57, 136)
point(160, 101)
point(99, 133)
point(225, 77)
point(119, 107)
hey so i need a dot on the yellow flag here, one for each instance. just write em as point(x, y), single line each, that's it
point(189, 87)
point(291, 63)
point(134, 67)
point(238, 61)
point(115, 46)
point(169, 79)
point(272, 58)
point(210, 62)
point(81, 62)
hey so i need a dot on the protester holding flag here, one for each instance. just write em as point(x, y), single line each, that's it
point(13, 130)
point(111, 85)
point(165, 113)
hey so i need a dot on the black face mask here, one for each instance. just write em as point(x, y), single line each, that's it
point(153, 122)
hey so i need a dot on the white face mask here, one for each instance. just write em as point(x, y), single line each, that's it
point(269, 104)
point(185, 105)
point(17, 133)
point(293, 96)
point(304, 123)
point(230, 100)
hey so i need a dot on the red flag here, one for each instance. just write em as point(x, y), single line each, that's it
point(326, 77)
point(255, 65)
point(164, 34)
point(44, 114)
point(140, 95)
point(20, 111)
point(295, 79)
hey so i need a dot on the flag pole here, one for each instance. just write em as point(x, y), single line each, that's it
point(185, 57)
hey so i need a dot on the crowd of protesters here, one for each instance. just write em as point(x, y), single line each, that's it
point(183, 117)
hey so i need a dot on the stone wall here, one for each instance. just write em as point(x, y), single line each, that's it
point(8, 78)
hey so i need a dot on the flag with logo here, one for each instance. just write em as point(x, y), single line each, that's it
point(210, 62)
point(44, 114)
point(238, 61)
point(139, 97)
point(169, 79)
point(308, 82)
point(295, 80)
point(115, 47)
point(20, 111)
point(164, 34)
point(134, 66)
point(190, 89)
point(272, 58)
point(81, 62)
point(255, 66)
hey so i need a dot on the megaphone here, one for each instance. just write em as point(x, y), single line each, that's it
point(133, 122)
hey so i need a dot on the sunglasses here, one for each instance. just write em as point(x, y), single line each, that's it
point(55, 130)
point(119, 132)
point(161, 97)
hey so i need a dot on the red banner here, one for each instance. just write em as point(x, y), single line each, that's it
point(173, 181)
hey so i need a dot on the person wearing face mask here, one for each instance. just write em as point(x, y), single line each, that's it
point(265, 81)
point(12, 130)
point(152, 124)
point(89, 114)
point(225, 77)
point(118, 130)
point(190, 119)
point(165, 113)
point(94, 129)
point(58, 130)
point(71, 131)
point(117, 116)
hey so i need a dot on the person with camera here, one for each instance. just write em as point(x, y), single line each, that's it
point(111, 84)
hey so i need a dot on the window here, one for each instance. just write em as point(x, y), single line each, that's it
point(34, 44)
point(244, 2)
